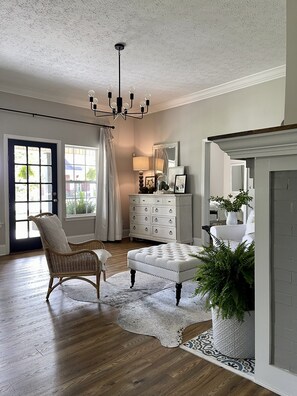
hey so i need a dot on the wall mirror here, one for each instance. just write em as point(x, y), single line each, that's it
point(165, 156)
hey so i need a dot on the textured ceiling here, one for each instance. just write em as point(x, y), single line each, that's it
point(59, 49)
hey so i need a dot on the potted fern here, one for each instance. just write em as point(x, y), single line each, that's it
point(226, 278)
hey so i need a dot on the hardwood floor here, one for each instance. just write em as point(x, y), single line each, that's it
point(66, 347)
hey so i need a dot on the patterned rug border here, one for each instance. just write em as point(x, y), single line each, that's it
point(202, 346)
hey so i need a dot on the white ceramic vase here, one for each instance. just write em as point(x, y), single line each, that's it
point(231, 218)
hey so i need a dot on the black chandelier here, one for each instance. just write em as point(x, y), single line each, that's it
point(118, 107)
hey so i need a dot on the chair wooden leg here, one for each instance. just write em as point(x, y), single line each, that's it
point(98, 284)
point(104, 275)
point(50, 284)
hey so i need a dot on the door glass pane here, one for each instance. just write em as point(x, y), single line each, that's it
point(34, 208)
point(46, 192)
point(21, 192)
point(21, 211)
point(46, 156)
point(20, 173)
point(33, 155)
point(21, 229)
point(46, 174)
point(33, 230)
point(33, 173)
point(46, 207)
point(34, 192)
point(20, 155)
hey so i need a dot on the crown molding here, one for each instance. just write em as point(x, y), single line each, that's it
point(240, 83)
point(245, 82)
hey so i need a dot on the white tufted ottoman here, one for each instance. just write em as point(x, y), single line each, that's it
point(170, 261)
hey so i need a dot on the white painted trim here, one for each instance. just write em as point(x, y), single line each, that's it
point(197, 241)
point(205, 186)
point(3, 251)
point(240, 83)
point(6, 137)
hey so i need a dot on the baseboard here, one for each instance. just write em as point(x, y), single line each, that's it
point(3, 251)
point(126, 233)
point(197, 241)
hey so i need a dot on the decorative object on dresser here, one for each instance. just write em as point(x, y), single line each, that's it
point(162, 218)
point(172, 172)
point(141, 164)
point(180, 184)
point(150, 183)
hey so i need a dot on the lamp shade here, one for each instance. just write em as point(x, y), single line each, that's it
point(141, 163)
point(159, 165)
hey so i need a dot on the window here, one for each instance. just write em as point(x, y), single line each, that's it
point(80, 180)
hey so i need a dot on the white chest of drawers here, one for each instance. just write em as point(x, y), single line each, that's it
point(162, 218)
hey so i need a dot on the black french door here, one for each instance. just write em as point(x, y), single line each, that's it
point(32, 171)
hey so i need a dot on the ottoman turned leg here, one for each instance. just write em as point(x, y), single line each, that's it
point(178, 287)
point(132, 272)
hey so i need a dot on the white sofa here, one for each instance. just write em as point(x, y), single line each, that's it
point(235, 234)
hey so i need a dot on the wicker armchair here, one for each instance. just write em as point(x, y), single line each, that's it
point(67, 260)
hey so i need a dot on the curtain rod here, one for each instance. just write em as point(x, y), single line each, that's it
point(57, 118)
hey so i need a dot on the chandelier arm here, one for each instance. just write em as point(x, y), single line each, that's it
point(139, 112)
point(133, 116)
point(103, 115)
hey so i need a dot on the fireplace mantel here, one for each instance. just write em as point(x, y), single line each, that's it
point(280, 140)
point(272, 152)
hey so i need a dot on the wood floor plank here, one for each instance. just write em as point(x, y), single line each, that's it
point(67, 347)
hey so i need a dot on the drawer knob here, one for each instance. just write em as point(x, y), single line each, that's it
point(146, 209)
point(146, 218)
point(156, 210)
point(134, 217)
point(146, 229)
point(134, 228)
point(156, 219)
point(170, 210)
point(156, 231)
point(170, 221)
point(170, 232)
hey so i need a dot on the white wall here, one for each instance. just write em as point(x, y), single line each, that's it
point(255, 107)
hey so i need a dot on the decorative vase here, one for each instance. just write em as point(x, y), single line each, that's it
point(231, 218)
point(233, 338)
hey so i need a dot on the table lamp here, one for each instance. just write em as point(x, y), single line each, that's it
point(140, 164)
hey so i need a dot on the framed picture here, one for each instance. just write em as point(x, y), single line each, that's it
point(172, 172)
point(180, 184)
point(150, 181)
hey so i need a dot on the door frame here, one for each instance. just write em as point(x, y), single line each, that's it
point(60, 171)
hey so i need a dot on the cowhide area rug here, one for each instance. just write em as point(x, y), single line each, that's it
point(148, 308)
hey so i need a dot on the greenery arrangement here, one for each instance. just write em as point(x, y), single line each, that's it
point(81, 206)
point(226, 278)
point(231, 203)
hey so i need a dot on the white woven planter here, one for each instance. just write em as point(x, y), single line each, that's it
point(233, 338)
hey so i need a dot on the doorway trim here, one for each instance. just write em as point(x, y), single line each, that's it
point(6, 249)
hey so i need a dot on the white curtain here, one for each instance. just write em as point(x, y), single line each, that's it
point(108, 226)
